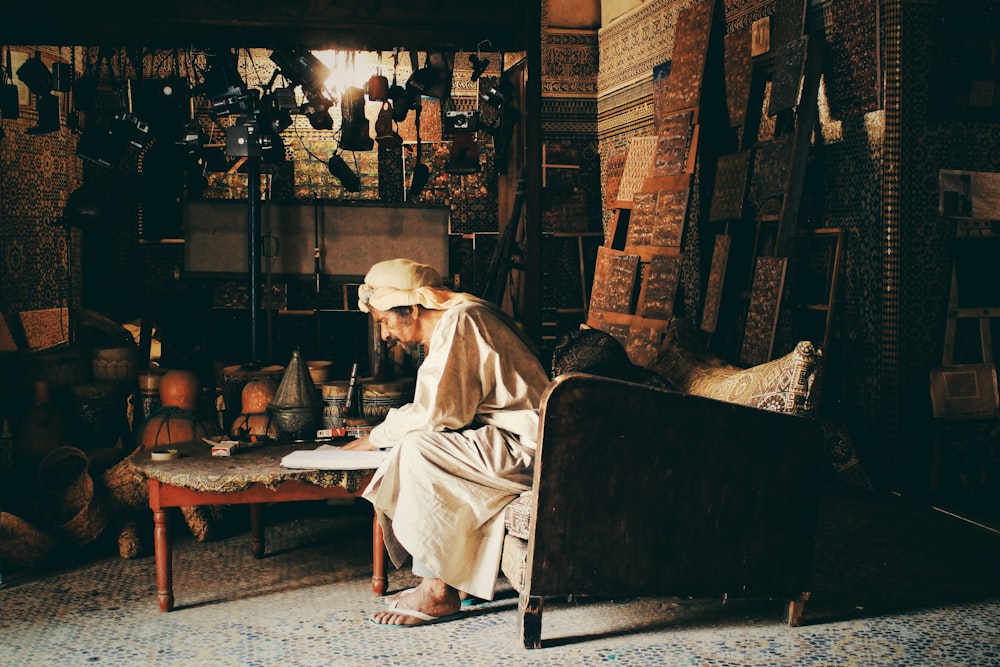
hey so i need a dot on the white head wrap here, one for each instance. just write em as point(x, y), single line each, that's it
point(403, 282)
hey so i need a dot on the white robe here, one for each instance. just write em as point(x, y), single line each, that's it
point(461, 451)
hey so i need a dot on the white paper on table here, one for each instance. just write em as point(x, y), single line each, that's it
point(328, 457)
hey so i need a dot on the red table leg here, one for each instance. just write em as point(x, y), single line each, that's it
point(379, 581)
point(164, 560)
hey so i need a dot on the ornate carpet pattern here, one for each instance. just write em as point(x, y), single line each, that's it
point(895, 584)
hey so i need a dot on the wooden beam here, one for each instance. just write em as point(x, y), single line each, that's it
point(452, 25)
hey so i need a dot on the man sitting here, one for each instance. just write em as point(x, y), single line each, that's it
point(462, 450)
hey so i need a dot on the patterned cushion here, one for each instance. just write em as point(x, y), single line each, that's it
point(517, 515)
point(593, 351)
point(782, 385)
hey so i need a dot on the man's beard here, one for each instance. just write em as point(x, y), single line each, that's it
point(409, 348)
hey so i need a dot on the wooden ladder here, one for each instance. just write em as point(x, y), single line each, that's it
point(967, 390)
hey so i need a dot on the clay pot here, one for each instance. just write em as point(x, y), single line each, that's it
point(320, 371)
point(177, 420)
point(179, 389)
point(254, 420)
point(168, 425)
point(234, 378)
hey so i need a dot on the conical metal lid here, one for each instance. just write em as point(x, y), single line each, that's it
point(297, 389)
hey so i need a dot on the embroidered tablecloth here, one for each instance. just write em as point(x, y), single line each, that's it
point(196, 468)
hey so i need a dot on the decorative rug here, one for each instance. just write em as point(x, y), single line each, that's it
point(894, 584)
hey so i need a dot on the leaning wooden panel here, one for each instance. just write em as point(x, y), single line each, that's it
point(671, 214)
point(642, 219)
point(614, 280)
point(676, 144)
point(659, 287)
point(661, 79)
point(788, 21)
point(762, 315)
point(854, 72)
point(637, 167)
point(697, 497)
point(730, 189)
point(644, 341)
point(769, 179)
point(614, 324)
point(657, 219)
point(716, 279)
point(786, 81)
point(739, 75)
point(691, 37)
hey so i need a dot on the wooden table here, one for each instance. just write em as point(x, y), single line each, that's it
point(252, 477)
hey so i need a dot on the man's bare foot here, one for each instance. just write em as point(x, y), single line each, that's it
point(430, 601)
point(466, 598)
point(395, 596)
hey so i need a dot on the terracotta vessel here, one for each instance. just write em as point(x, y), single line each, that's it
point(254, 419)
point(177, 420)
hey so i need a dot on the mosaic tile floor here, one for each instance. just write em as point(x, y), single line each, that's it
point(893, 587)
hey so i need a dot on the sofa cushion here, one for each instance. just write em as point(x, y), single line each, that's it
point(782, 385)
point(514, 560)
point(593, 351)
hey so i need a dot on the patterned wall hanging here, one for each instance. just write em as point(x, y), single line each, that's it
point(730, 189)
point(738, 67)
point(762, 314)
point(716, 279)
point(694, 25)
point(45, 328)
point(430, 122)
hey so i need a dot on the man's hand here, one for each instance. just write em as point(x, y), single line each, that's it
point(362, 443)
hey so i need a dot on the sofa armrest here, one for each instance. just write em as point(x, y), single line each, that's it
point(645, 491)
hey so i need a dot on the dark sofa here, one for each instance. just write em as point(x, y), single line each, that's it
point(643, 490)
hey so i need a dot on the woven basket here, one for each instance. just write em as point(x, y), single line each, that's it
point(86, 526)
point(128, 489)
point(203, 520)
point(63, 475)
point(129, 544)
point(22, 544)
point(77, 516)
